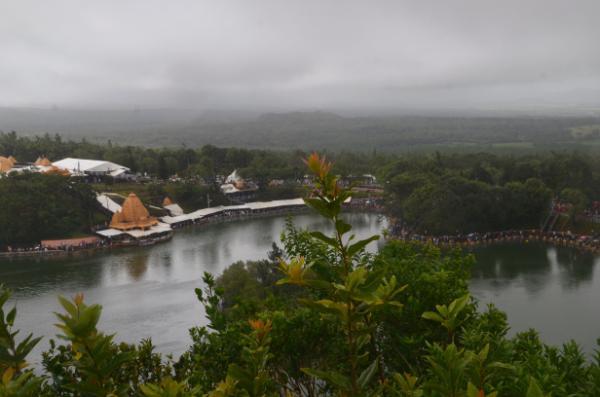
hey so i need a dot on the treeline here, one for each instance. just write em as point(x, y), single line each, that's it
point(303, 130)
point(319, 318)
point(206, 161)
point(34, 207)
point(435, 193)
point(449, 194)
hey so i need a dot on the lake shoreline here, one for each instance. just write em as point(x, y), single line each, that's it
point(91, 250)
point(558, 239)
point(148, 292)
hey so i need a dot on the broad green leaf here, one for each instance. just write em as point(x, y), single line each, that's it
point(342, 227)
point(484, 352)
point(321, 207)
point(328, 240)
point(534, 389)
point(8, 374)
point(68, 306)
point(10, 317)
point(360, 245)
point(356, 278)
point(473, 391)
point(432, 316)
point(367, 375)
point(334, 378)
point(459, 304)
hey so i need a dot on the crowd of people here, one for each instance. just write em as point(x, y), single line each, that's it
point(589, 243)
point(367, 204)
point(593, 213)
point(41, 249)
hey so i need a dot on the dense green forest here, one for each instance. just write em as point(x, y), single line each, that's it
point(449, 194)
point(206, 161)
point(36, 206)
point(320, 317)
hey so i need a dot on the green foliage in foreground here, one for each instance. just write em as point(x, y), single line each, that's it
point(320, 318)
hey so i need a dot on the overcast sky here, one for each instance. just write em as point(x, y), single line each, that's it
point(299, 54)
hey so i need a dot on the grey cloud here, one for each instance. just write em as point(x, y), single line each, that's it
point(242, 54)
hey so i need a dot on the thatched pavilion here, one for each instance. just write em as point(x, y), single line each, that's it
point(6, 164)
point(43, 161)
point(133, 215)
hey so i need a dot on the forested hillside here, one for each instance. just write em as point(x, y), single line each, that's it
point(36, 206)
point(307, 130)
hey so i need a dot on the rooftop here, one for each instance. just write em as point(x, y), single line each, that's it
point(133, 215)
point(87, 165)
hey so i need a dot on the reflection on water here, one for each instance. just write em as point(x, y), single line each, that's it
point(149, 291)
point(551, 289)
point(137, 265)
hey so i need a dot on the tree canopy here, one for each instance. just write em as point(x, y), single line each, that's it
point(319, 317)
point(38, 206)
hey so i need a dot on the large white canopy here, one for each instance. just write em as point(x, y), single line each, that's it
point(92, 166)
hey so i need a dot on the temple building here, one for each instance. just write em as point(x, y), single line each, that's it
point(133, 224)
point(10, 165)
point(238, 190)
point(173, 208)
point(45, 166)
point(43, 161)
point(41, 165)
point(6, 164)
point(133, 215)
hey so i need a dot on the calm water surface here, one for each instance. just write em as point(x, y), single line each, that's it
point(555, 290)
point(149, 292)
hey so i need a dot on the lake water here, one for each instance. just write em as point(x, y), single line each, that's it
point(149, 292)
point(555, 290)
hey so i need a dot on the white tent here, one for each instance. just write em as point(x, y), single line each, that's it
point(91, 167)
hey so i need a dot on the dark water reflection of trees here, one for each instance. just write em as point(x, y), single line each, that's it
point(17, 273)
point(534, 264)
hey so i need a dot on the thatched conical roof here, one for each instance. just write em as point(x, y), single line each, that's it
point(43, 161)
point(55, 170)
point(133, 209)
point(167, 201)
point(133, 215)
point(5, 164)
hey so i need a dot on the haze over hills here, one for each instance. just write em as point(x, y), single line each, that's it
point(303, 130)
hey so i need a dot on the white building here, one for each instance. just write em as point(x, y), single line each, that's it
point(92, 167)
point(237, 189)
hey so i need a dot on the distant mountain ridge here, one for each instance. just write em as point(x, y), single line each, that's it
point(301, 130)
